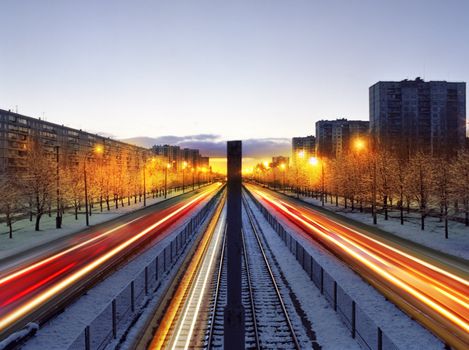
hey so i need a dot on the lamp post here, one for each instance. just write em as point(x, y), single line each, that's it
point(274, 171)
point(144, 182)
point(301, 155)
point(323, 183)
point(282, 168)
point(360, 146)
point(314, 161)
point(184, 165)
point(193, 183)
point(98, 150)
point(58, 219)
point(168, 165)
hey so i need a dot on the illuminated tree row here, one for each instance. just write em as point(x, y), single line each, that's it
point(96, 181)
point(378, 182)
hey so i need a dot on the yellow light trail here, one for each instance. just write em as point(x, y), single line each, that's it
point(201, 294)
point(177, 300)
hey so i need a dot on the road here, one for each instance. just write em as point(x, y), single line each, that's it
point(34, 288)
point(434, 291)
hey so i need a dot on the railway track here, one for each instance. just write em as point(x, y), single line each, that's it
point(268, 317)
point(271, 320)
point(214, 333)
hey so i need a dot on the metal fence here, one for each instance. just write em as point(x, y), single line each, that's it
point(117, 316)
point(361, 326)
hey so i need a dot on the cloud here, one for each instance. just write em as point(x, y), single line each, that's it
point(213, 146)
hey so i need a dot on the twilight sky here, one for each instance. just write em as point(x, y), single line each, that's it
point(240, 69)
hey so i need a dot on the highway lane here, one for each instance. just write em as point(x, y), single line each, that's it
point(28, 290)
point(435, 292)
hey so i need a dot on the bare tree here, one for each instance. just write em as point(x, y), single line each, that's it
point(442, 180)
point(10, 202)
point(402, 187)
point(385, 166)
point(73, 188)
point(460, 181)
point(421, 173)
point(39, 181)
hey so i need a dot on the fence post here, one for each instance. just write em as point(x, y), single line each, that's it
point(87, 338)
point(114, 319)
point(171, 252)
point(335, 295)
point(156, 268)
point(354, 330)
point(312, 268)
point(322, 280)
point(380, 339)
point(164, 259)
point(132, 296)
point(146, 280)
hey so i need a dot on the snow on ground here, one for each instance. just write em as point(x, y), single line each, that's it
point(61, 331)
point(434, 237)
point(403, 332)
point(329, 330)
point(17, 336)
point(25, 238)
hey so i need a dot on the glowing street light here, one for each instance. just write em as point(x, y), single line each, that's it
point(359, 144)
point(193, 183)
point(313, 161)
point(184, 166)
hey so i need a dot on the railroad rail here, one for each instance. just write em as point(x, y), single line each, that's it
point(264, 294)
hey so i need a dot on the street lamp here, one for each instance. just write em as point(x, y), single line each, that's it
point(301, 155)
point(265, 173)
point(359, 144)
point(283, 168)
point(58, 219)
point(153, 160)
point(193, 184)
point(98, 150)
point(204, 175)
point(184, 166)
point(168, 165)
point(314, 161)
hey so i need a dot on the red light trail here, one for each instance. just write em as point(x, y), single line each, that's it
point(438, 294)
point(25, 289)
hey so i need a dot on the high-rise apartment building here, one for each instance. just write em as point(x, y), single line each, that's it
point(415, 115)
point(303, 147)
point(18, 133)
point(336, 137)
point(176, 156)
point(172, 153)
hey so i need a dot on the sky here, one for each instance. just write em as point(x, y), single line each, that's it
point(263, 70)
